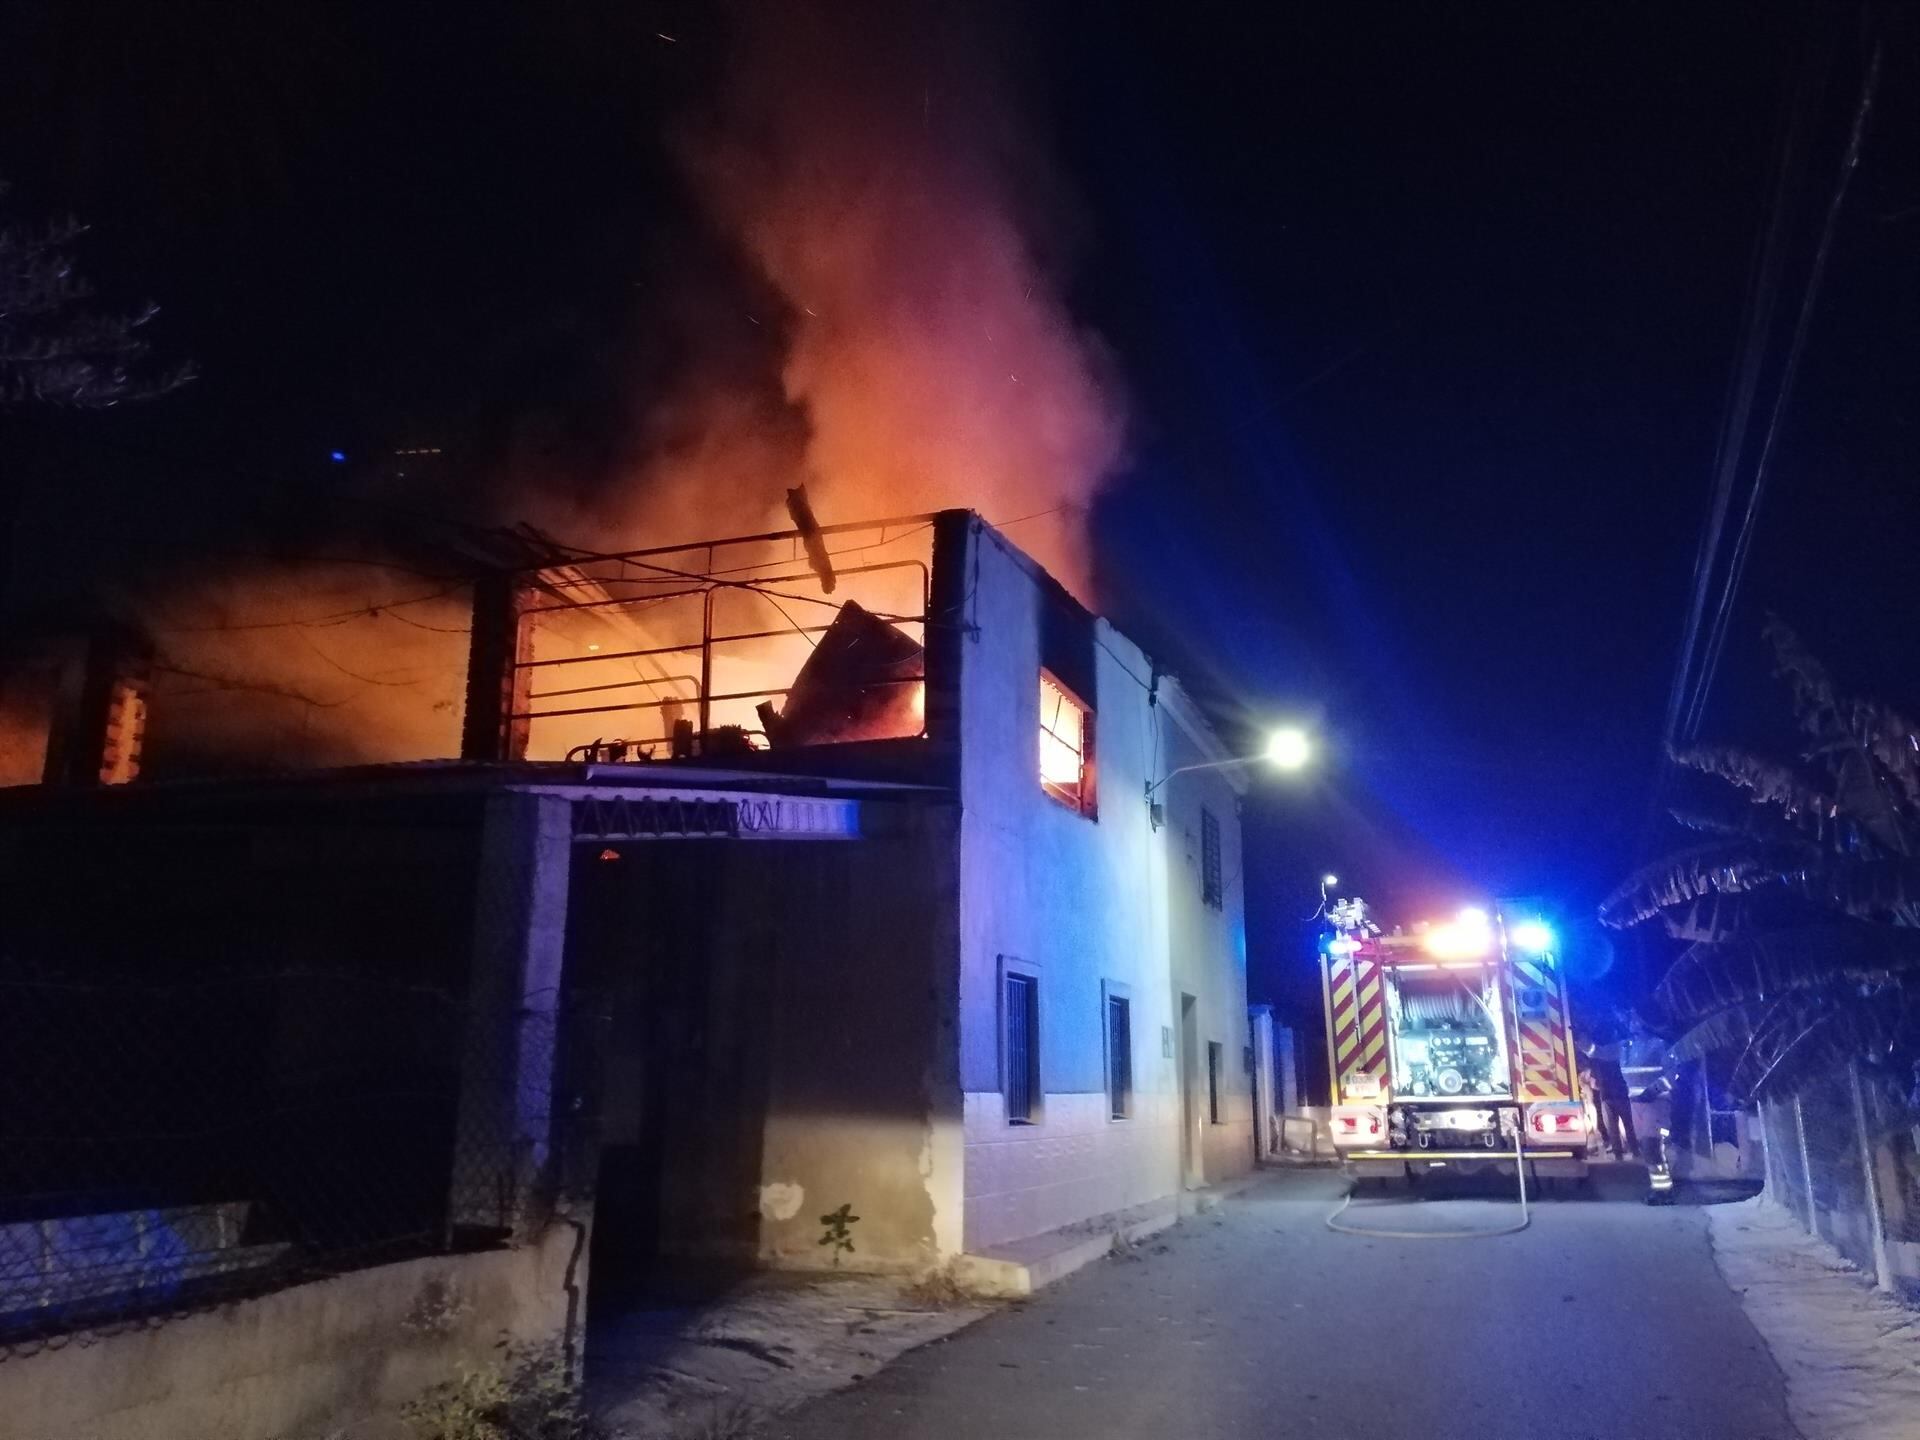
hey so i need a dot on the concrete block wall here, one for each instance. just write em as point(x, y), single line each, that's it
point(1028, 1179)
point(334, 1356)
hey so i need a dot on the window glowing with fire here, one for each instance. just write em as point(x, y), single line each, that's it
point(1066, 746)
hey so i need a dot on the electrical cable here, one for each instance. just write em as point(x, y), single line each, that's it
point(1742, 385)
point(1120, 660)
point(1849, 162)
point(327, 621)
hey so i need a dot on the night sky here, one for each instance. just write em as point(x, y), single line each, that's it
point(1424, 319)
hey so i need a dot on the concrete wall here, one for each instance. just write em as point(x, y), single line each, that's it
point(334, 1357)
point(393, 895)
point(1082, 903)
point(782, 1042)
point(238, 980)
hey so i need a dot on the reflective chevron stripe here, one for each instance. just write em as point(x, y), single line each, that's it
point(1359, 1019)
point(1543, 1059)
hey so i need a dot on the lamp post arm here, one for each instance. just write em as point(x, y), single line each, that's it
point(1153, 786)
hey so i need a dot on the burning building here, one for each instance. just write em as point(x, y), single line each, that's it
point(1087, 1045)
point(777, 873)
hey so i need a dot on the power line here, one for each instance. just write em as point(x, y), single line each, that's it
point(326, 621)
point(350, 673)
point(1849, 162)
point(1742, 385)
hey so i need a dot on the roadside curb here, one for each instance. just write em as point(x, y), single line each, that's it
point(1023, 1267)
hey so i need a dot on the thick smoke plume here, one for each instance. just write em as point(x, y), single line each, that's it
point(872, 310)
point(868, 163)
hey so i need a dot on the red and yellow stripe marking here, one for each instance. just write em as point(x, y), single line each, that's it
point(1358, 1004)
point(1545, 1070)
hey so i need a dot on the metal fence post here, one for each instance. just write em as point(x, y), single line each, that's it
point(1772, 1183)
point(1882, 1270)
point(1806, 1168)
point(1266, 1103)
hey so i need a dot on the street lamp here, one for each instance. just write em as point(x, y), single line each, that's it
point(1288, 748)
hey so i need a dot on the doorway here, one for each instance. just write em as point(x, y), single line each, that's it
point(1192, 1162)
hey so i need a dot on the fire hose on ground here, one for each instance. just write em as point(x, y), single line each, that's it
point(1519, 1169)
point(1526, 1216)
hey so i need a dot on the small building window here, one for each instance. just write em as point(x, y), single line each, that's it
point(1119, 1057)
point(1066, 746)
point(1020, 1082)
point(1212, 892)
point(1214, 1054)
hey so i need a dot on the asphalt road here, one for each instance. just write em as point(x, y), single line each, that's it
point(1604, 1319)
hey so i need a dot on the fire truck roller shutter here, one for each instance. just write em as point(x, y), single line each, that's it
point(1431, 1012)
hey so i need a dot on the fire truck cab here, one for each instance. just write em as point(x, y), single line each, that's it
point(1450, 1046)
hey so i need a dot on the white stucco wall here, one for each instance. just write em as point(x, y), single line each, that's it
point(1084, 903)
point(1208, 944)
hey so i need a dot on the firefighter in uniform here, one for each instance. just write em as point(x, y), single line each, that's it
point(1611, 1103)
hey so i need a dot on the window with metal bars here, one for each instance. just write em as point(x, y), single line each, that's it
point(1021, 1082)
point(1119, 1057)
point(1214, 1054)
point(1212, 891)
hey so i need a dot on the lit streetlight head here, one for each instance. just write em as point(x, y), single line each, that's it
point(1289, 748)
point(1329, 880)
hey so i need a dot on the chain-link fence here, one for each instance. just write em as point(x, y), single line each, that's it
point(1844, 1156)
point(168, 1146)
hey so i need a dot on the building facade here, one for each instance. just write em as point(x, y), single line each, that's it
point(1117, 943)
point(957, 987)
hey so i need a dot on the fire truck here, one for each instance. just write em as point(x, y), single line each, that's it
point(1450, 1046)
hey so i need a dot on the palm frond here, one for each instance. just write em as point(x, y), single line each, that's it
point(1803, 807)
point(1773, 1022)
point(1802, 903)
point(1843, 1030)
point(1733, 817)
point(1885, 889)
point(1859, 743)
point(1814, 704)
point(1725, 867)
point(1894, 742)
point(1763, 1073)
point(1708, 978)
point(1729, 829)
point(1723, 1030)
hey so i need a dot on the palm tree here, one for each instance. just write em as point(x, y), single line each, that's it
point(1800, 902)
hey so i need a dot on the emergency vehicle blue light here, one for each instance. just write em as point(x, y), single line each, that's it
point(1532, 936)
